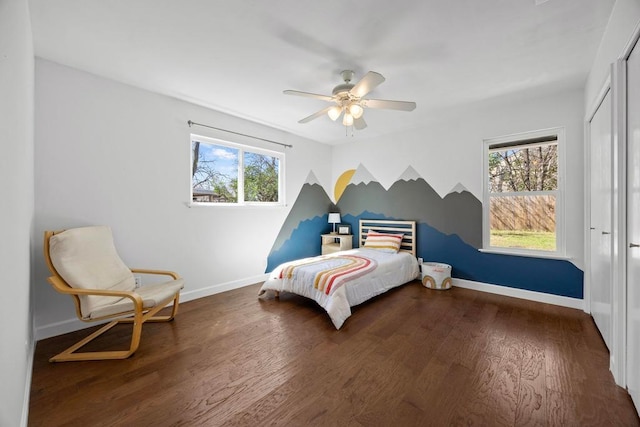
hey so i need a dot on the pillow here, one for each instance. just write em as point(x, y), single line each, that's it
point(383, 241)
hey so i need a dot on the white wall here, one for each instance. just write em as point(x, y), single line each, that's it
point(108, 153)
point(622, 22)
point(16, 213)
point(448, 150)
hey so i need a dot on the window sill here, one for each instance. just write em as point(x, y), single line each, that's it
point(525, 254)
point(236, 205)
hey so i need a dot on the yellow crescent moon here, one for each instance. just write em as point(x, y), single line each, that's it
point(342, 183)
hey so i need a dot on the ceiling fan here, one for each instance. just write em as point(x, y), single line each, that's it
point(350, 102)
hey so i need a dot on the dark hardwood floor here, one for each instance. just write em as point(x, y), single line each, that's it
point(411, 357)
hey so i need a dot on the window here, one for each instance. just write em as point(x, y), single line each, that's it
point(523, 194)
point(225, 173)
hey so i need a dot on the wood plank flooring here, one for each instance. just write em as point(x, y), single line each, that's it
point(411, 357)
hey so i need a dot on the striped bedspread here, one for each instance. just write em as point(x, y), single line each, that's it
point(344, 269)
point(341, 280)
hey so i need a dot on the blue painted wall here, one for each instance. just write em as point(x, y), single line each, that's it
point(304, 242)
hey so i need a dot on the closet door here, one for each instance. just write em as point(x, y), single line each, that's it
point(633, 225)
point(601, 221)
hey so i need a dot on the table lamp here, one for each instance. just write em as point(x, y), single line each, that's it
point(334, 218)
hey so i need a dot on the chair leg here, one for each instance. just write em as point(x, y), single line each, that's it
point(138, 320)
point(70, 355)
point(169, 318)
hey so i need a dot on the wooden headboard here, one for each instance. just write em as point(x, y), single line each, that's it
point(408, 228)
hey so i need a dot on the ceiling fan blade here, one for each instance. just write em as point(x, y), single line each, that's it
point(308, 95)
point(315, 115)
point(389, 105)
point(369, 82)
point(359, 123)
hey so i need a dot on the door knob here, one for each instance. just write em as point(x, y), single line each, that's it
point(606, 232)
point(633, 245)
point(592, 228)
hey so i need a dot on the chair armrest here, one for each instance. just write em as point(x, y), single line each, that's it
point(62, 287)
point(173, 274)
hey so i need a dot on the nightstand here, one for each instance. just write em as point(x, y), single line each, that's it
point(335, 242)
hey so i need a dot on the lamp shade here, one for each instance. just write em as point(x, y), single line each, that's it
point(334, 218)
point(356, 110)
point(334, 112)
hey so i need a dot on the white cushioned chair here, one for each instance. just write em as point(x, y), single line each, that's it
point(84, 264)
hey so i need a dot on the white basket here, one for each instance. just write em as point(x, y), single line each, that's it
point(436, 275)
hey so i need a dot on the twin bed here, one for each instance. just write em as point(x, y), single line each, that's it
point(385, 259)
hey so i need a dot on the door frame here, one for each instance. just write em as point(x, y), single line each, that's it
point(618, 363)
point(621, 143)
point(604, 90)
point(613, 84)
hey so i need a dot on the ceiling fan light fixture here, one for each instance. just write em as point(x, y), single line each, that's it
point(349, 100)
point(334, 112)
point(356, 110)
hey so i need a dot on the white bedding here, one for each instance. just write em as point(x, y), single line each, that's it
point(393, 269)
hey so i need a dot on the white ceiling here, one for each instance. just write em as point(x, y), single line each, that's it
point(237, 56)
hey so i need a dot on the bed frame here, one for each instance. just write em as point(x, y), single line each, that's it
point(408, 228)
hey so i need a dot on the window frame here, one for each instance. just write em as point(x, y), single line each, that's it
point(242, 149)
point(517, 139)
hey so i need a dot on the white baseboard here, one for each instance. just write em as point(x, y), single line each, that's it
point(520, 293)
point(223, 287)
point(71, 325)
point(74, 324)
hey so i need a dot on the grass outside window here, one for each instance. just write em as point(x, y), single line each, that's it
point(524, 239)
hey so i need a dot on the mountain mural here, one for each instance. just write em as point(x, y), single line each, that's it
point(413, 198)
point(299, 236)
point(458, 188)
point(557, 277)
point(449, 230)
point(410, 174)
point(362, 175)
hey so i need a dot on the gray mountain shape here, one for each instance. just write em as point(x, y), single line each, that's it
point(362, 175)
point(458, 188)
point(409, 174)
point(456, 213)
point(312, 201)
point(312, 179)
